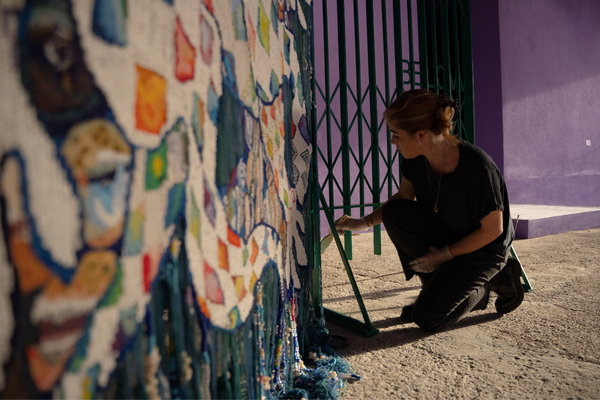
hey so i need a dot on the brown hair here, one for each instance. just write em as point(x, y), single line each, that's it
point(419, 109)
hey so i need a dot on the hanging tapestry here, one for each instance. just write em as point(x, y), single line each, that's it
point(154, 190)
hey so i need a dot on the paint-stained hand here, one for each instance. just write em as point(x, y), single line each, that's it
point(432, 260)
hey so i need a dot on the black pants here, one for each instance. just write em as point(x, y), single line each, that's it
point(452, 290)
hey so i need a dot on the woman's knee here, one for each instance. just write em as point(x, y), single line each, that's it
point(428, 321)
point(395, 211)
point(428, 313)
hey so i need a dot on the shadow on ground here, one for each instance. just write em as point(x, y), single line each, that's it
point(548, 348)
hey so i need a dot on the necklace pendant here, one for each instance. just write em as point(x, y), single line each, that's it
point(435, 209)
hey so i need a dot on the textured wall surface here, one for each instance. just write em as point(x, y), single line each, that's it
point(550, 56)
point(487, 75)
point(155, 160)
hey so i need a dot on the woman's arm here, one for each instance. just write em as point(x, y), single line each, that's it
point(490, 229)
point(406, 191)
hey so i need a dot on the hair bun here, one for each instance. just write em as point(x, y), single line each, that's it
point(421, 109)
point(445, 101)
point(455, 105)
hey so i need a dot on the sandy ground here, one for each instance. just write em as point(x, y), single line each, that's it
point(549, 348)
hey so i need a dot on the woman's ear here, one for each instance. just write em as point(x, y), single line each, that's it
point(421, 136)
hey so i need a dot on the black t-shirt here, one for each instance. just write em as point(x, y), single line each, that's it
point(466, 196)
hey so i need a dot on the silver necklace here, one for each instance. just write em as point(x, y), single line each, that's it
point(437, 197)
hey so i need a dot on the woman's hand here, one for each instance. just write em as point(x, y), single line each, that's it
point(347, 223)
point(432, 260)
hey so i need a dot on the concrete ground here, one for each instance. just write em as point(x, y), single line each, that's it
point(549, 348)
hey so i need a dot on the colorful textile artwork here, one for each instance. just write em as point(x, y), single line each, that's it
point(154, 193)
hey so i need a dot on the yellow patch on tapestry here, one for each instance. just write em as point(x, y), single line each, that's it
point(270, 147)
point(94, 274)
point(263, 27)
point(253, 280)
point(223, 256)
point(151, 103)
point(240, 289)
point(195, 220)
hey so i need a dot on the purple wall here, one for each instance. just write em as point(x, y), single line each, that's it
point(550, 71)
point(487, 82)
point(537, 92)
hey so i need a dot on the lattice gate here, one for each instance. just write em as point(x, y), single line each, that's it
point(366, 52)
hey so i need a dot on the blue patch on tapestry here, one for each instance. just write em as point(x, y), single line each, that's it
point(197, 122)
point(175, 204)
point(303, 128)
point(288, 155)
point(274, 83)
point(133, 242)
point(265, 246)
point(286, 47)
point(302, 46)
point(239, 25)
point(110, 21)
point(299, 90)
point(92, 376)
point(169, 2)
point(213, 105)
point(262, 94)
point(229, 71)
point(230, 142)
point(274, 19)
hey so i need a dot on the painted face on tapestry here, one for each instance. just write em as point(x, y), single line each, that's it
point(59, 299)
point(120, 200)
point(98, 156)
point(58, 310)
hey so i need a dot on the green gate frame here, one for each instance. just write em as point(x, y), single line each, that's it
point(444, 65)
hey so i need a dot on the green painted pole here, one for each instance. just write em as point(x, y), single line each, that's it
point(359, 98)
point(457, 87)
point(374, 117)
point(329, 178)
point(315, 187)
point(369, 330)
point(411, 50)
point(388, 136)
point(468, 108)
point(423, 43)
point(397, 10)
point(341, 21)
point(445, 48)
point(434, 45)
point(398, 63)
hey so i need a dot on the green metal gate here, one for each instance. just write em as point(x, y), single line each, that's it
point(409, 44)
